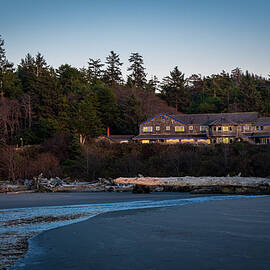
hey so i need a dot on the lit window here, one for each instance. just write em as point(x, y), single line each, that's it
point(202, 128)
point(168, 128)
point(225, 128)
point(179, 128)
point(190, 127)
point(147, 129)
point(246, 128)
point(157, 128)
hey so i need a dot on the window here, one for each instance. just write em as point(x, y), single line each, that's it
point(225, 128)
point(257, 128)
point(214, 128)
point(190, 127)
point(219, 128)
point(157, 128)
point(179, 128)
point(230, 128)
point(231, 140)
point(202, 128)
point(168, 128)
point(262, 128)
point(147, 129)
point(172, 141)
point(246, 128)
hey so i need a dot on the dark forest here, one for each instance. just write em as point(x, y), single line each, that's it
point(52, 116)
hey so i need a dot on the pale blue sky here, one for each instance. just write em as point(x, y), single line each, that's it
point(200, 36)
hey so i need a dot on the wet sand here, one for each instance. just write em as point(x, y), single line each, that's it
point(8, 201)
point(232, 234)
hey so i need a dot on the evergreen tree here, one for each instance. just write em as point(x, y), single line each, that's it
point(174, 90)
point(86, 122)
point(95, 69)
point(72, 81)
point(131, 115)
point(138, 76)
point(106, 105)
point(113, 74)
point(5, 66)
point(152, 85)
point(40, 64)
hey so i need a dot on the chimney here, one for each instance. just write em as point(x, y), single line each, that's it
point(108, 132)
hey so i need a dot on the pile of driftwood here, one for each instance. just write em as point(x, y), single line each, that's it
point(43, 184)
point(199, 185)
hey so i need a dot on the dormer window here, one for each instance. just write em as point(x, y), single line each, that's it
point(147, 129)
point(157, 128)
point(190, 128)
point(168, 128)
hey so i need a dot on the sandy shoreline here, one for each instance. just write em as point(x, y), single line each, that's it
point(8, 201)
point(231, 234)
point(23, 216)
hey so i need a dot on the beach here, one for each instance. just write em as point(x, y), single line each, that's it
point(229, 234)
point(73, 198)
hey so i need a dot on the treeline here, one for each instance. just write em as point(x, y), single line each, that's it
point(59, 111)
point(224, 92)
point(60, 156)
point(38, 101)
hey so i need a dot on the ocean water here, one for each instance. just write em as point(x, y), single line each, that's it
point(17, 225)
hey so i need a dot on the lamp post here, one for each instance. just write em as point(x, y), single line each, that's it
point(21, 139)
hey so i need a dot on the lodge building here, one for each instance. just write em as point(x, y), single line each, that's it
point(205, 128)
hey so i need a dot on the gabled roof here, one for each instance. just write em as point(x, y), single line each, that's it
point(207, 119)
point(262, 121)
point(176, 119)
point(222, 121)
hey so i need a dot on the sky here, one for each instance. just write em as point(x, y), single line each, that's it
point(199, 36)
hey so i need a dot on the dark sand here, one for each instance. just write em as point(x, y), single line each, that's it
point(8, 201)
point(232, 234)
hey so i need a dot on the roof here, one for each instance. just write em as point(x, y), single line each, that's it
point(222, 121)
point(171, 116)
point(207, 119)
point(262, 121)
point(258, 134)
point(164, 137)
